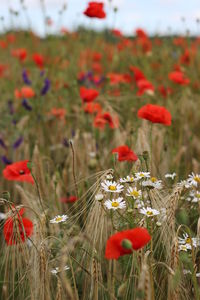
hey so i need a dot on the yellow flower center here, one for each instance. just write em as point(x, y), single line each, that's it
point(141, 175)
point(149, 213)
point(188, 241)
point(112, 188)
point(58, 219)
point(134, 193)
point(183, 247)
point(115, 204)
point(198, 195)
point(131, 179)
point(197, 179)
point(153, 179)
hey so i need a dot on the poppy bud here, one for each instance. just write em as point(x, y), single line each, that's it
point(126, 244)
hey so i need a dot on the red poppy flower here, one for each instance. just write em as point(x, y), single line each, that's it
point(38, 59)
point(58, 113)
point(141, 33)
point(92, 108)
point(20, 53)
point(70, 199)
point(18, 171)
point(25, 92)
point(117, 33)
point(88, 95)
point(3, 68)
point(185, 57)
point(179, 78)
point(125, 153)
point(164, 91)
point(124, 242)
point(116, 78)
point(95, 10)
point(155, 114)
point(16, 228)
point(138, 75)
point(144, 86)
point(113, 121)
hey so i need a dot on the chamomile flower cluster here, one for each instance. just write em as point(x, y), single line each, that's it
point(129, 192)
point(186, 242)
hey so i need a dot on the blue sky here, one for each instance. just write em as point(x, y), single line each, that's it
point(156, 16)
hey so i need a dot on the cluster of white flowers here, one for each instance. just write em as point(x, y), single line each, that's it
point(134, 191)
point(57, 270)
point(186, 243)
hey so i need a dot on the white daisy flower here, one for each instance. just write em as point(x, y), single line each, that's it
point(112, 186)
point(99, 197)
point(153, 182)
point(58, 219)
point(57, 270)
point(149, 212)
point(138, 204)
point(128, 179)
point(115, 203)
point(184, 183)
point(109, 176)
point(142, 175)
point(198, 275)
point(185, 272)
point(186, 240)
point(185, 247)
point(194, 179)
point(172, 175)
point(133, 192)
point(194, 196)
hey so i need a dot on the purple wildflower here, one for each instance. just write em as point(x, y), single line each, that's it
point(26, 105)
point(2, 144)
point(66, 142)
point(18, 142)
point(5, 160)
point(25, 78)
point(46, 87)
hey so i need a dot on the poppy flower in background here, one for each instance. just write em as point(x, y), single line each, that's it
point(3, 68)
point(18, 171)
point(185, 57)
point(144, 86)
point(88, 95)
point(138, 74)
point(59, 113)
point(124, 242)
point(39, 60)
point(95, 10)
point(155, 114)
point(116, 78)
point(140, 33)
point(16, 228)
point(92, 108)
point(125, 153)
point(164, 91)
point(20, 53)
point(117, 33)
point(179, 78)
point(105, 118)
point(25, 92)
point(70, 199)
